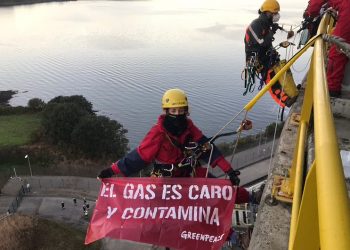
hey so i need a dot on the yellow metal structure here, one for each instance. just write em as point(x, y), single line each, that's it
point(283, 188)
point(332, 196)
point(306, 235)
point(321, 209)
point(296, 172)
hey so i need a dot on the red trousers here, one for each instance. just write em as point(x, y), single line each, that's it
point(337, 60)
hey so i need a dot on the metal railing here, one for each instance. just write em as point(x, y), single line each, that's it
point(326, 176)
point(16, 202)
point(321, 211)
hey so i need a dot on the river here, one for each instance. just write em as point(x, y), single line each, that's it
point(122, 56)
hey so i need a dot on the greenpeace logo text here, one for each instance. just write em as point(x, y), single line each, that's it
point(202, 237)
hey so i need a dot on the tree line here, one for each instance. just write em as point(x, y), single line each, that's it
point(71, 123)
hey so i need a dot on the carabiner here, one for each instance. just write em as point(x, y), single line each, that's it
point(191, 145)
point(172, 168)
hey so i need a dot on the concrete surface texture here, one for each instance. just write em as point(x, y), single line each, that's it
point(271, 231)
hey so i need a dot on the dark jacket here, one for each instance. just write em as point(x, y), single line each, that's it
point(259, 37)
point(161, 147)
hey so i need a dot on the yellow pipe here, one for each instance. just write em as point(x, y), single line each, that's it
point(252, 102)
point(298, 182)
point(333, 201)
point(305, 116)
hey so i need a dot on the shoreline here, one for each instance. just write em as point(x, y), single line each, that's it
point(6, 96)
point(10, 3)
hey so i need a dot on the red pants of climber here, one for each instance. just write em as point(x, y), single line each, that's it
point(337, 60)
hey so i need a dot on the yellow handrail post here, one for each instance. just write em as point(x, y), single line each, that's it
point(296, 173)
point(333, 201)
point(298, 181)
point(307, 233)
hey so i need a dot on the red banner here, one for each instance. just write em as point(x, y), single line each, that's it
point(181, 213)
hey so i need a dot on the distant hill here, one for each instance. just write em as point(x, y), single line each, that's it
point(20, 2)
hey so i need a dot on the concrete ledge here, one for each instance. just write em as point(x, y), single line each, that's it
point(271, 230)
point(341, 107)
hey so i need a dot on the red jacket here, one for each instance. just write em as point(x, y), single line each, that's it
point(161, 147)
point(336, 60)
point(314, 6)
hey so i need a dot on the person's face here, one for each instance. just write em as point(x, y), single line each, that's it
point(177, 111)
point(275, 17)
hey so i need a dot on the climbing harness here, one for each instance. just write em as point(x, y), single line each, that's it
point(192, 152)
point(250, 71)
point(254, 68)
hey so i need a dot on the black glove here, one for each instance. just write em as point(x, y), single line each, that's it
point(233, 175)
point(274, 27)
point(106, 173)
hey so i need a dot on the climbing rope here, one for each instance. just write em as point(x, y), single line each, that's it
point(341, 44)
point(277, 116)
point(237, 140)
point(307, 63)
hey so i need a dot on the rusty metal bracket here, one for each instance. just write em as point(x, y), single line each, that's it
point(281, 189)
point(295, 119)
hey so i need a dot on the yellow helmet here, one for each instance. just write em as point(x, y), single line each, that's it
point(174, 98)
point(270, 5)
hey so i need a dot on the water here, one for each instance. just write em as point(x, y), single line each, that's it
point(122, 56)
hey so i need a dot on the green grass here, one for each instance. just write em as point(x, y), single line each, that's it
point(16, 130)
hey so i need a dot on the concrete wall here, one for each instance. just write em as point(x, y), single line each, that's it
point(271, 231)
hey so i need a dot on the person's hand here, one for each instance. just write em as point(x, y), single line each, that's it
point(105, 173)
point(332, 12)
point(233, 175)
point(290, 34)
